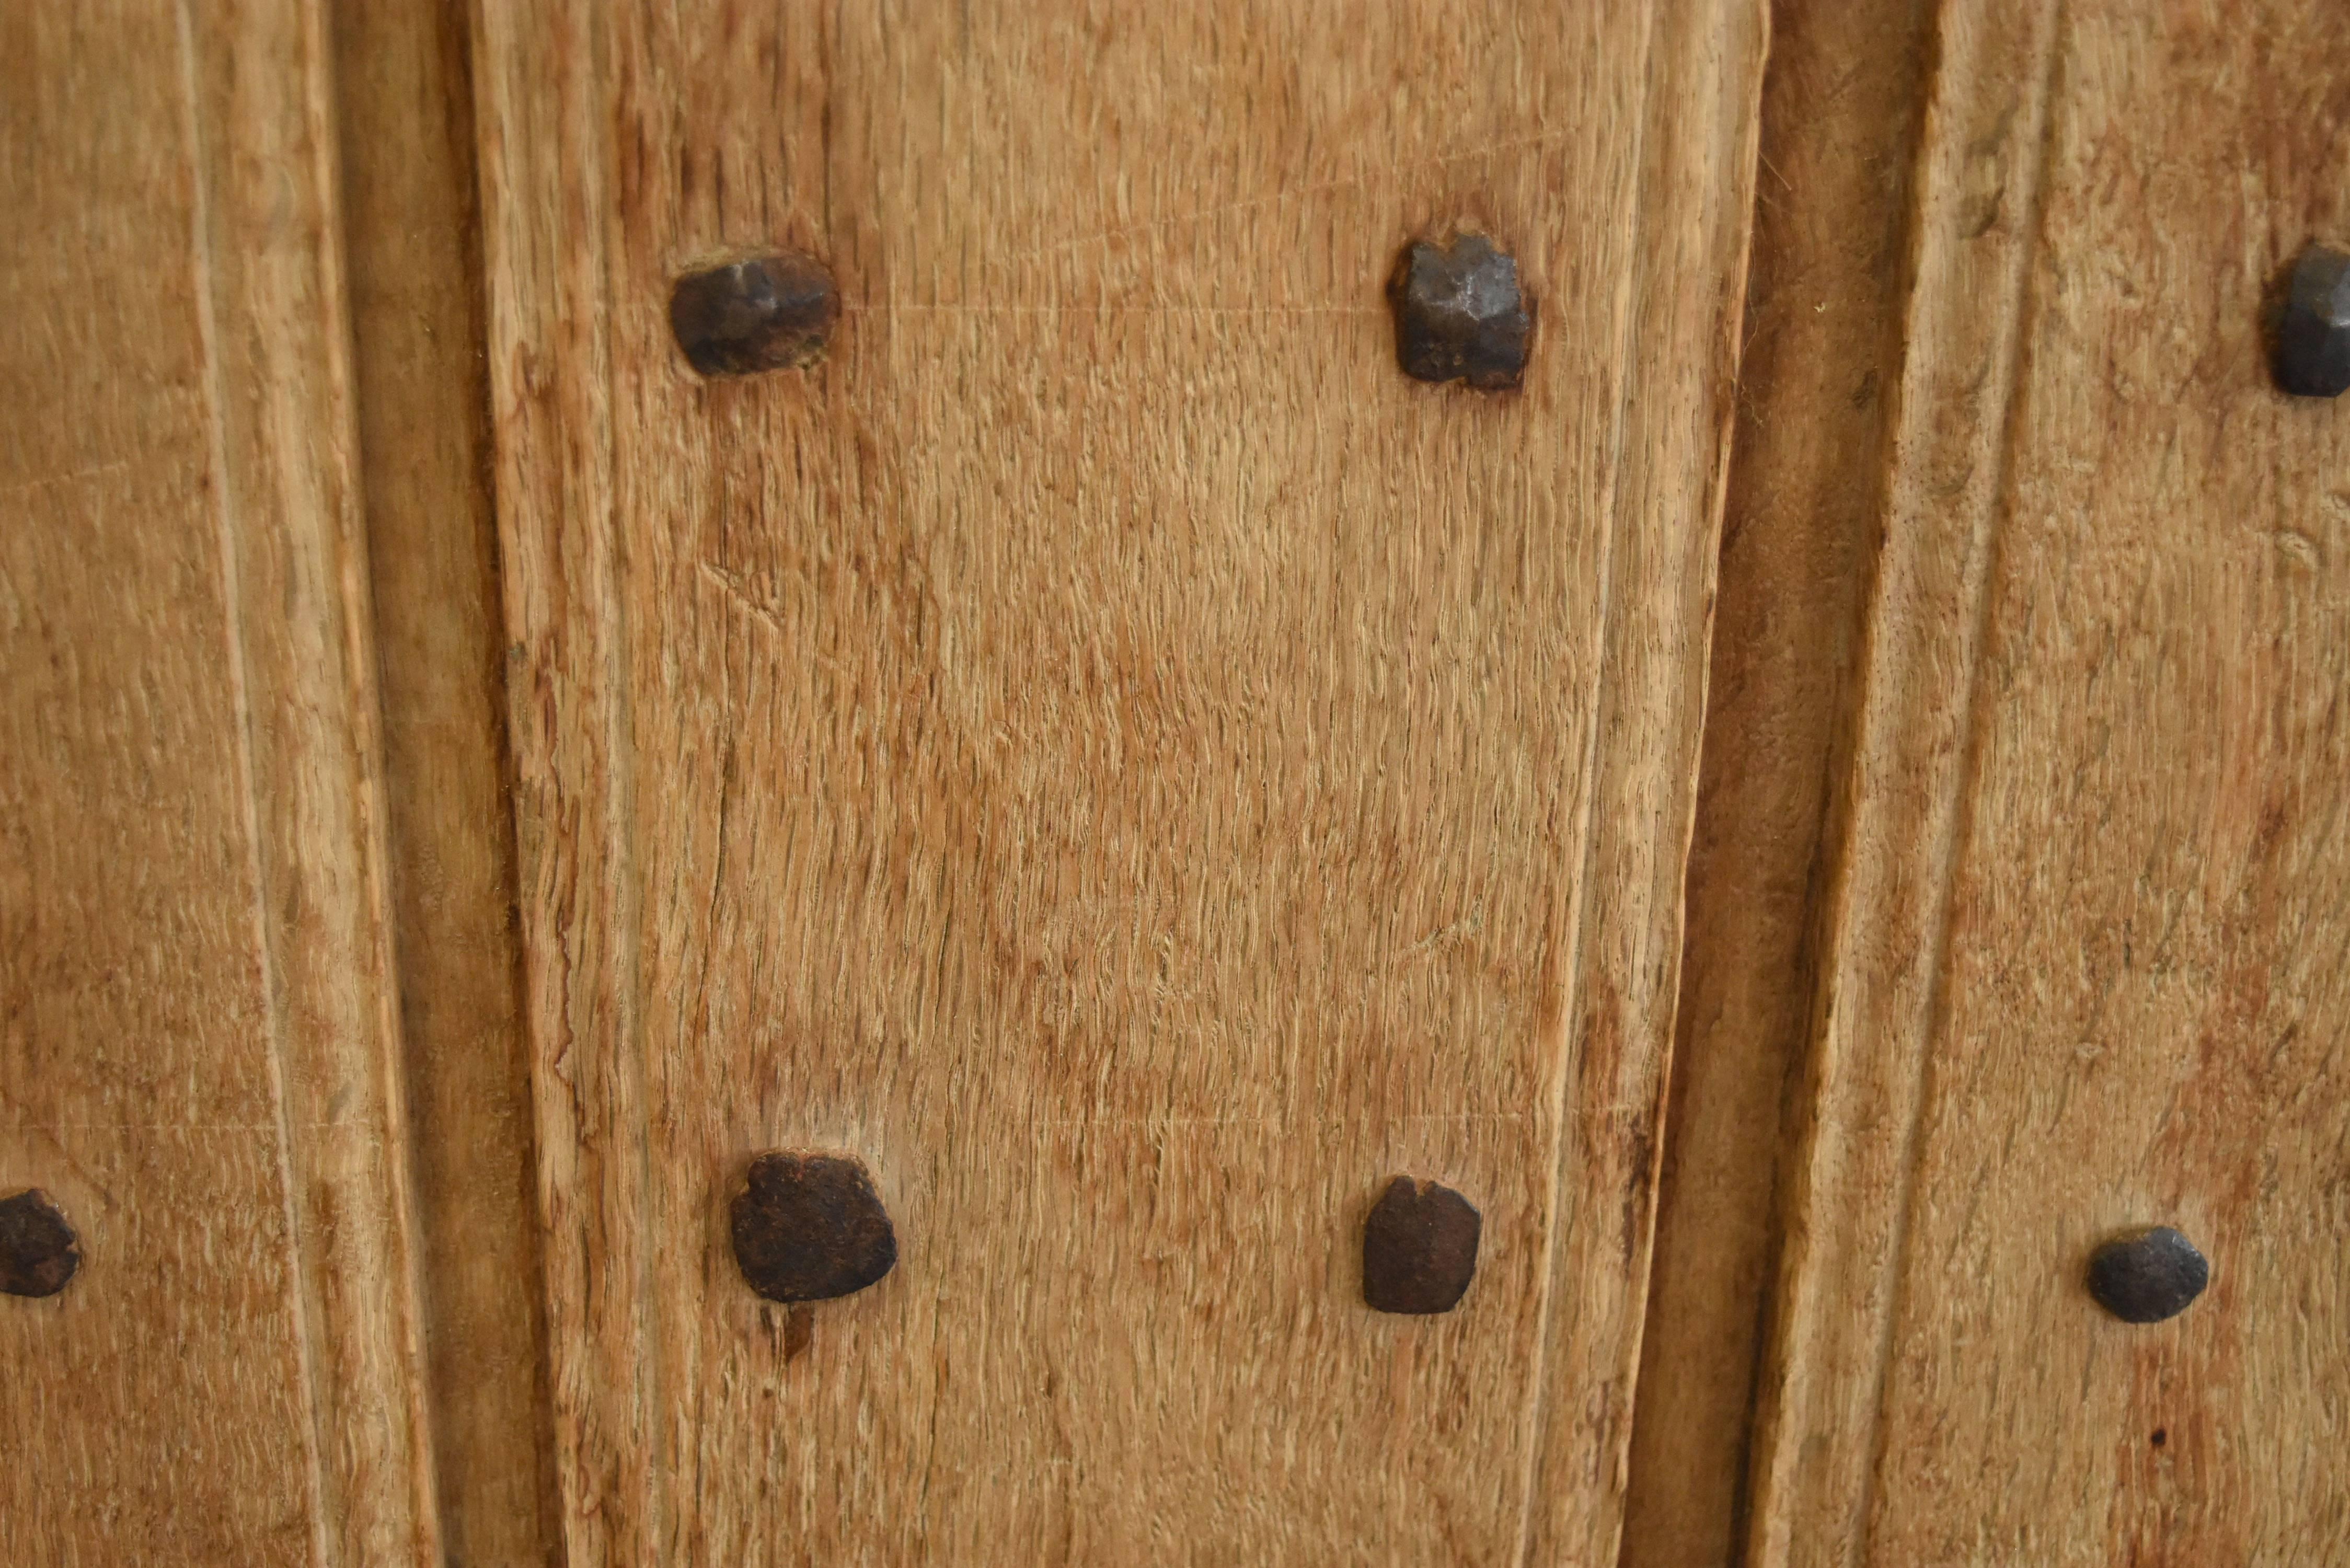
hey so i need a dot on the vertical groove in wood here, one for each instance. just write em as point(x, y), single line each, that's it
point(1982, 167)
point(412, 250)
point(1684, 278)
point(1842, 110)
point(542, 125)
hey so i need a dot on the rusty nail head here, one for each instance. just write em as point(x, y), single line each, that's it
point(1419, 1248)
point(2147, 1275)
point(38, 1249)
point(761, 313)
point(1460, 315)
point(809, 1226)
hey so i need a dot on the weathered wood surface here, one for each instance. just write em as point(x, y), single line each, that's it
point(403, 103)
point(1842, 109)
point(2083, 969)
point(1109, 752)
point(198, 1029)
point(1112, 755)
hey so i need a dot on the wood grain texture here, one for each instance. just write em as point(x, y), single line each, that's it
point(1108, 751)
point(1842, 110)
point(2085, 970)
point(1686, 264)
point(403, 109)
point(200, 1035)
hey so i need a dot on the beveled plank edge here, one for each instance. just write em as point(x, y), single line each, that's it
point(1684, 317)
point(1903, 809)
point(276, 330)
point(543, 126)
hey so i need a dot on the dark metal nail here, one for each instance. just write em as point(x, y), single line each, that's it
point(763, 312)
point(2148, 1275)
point(1459, 316)
point(809, 1226)
point(38, 1250)
point(2312, 332)
point(1419, 1248)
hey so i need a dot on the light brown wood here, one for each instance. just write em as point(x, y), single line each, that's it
point(1109, 752)
point(2084, 968)
point(1685, 249)
point(403, 109)
point(1842, 107)
point(200, 1029)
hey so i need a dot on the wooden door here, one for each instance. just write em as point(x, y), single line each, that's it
point(2078, 967)
point(1810, 812)
point(1108, 752)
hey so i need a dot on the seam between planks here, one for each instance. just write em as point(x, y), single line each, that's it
point(363, 698)
point(1987, 550)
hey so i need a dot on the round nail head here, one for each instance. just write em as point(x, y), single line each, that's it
point(809, 1226)
point(1419, 1248)
point(2148, 1275)
point(2312, 332)
point(762, 312)
point(38, 1250)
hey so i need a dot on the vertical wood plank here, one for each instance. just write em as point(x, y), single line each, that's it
point(202, 1027)
point(1684, 266)
point(403, 110)
point(1843, 104)
point(2082, 974)
point(1108, 751)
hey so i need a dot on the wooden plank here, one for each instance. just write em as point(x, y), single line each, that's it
point(2085, 970)
point(403, 110)
point(1109, 752)
point(1686, 253)
point(1842, 106)
point(199, 1034)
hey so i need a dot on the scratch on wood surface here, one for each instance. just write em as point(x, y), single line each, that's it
point(72, 476)
point(738, 594)
point(1347, 182)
